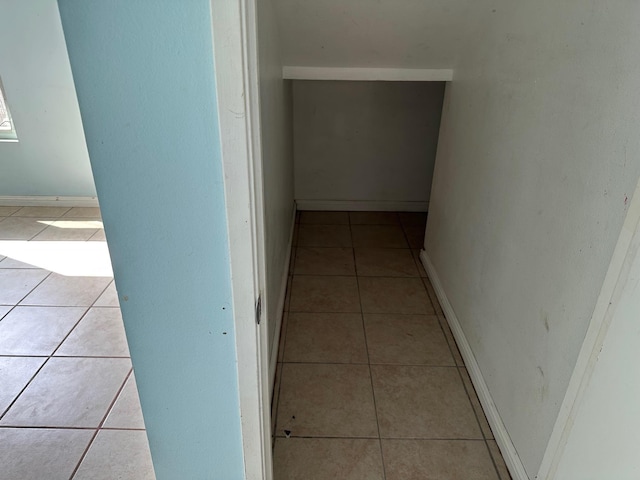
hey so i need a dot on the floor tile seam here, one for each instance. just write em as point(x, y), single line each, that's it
point(70, 332)
point(472, 394)
point(113, 357)
point(387, 438)
point(8, 312)
point(30, 216)
point(373, 364)
point(356, 275)
point(127, 429)
point(45, 427)
point(15, 399)
point(18, 303)
point(366, 313)
point(493, 460)
point(101, 424)
point(284, 328)
point(475, 414)
point(366, 344)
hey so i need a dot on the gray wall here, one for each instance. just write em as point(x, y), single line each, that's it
point(51, 156)
point(277, 158)
point(538, 155)
point(365, 141)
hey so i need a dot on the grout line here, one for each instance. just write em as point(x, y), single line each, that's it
point(366, 344)
point(425, 365)
point(99, 427)
point(15, 399)
point(427, 439)
point(17, 304)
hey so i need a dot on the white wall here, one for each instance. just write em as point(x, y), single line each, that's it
point(277, 157)
point(602, 439)
point(51, 156)
point(537, 157)
point(365, 141)
point(384, 33)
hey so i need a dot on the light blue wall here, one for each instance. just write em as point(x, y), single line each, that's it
point(51, 157)
point(145, 80)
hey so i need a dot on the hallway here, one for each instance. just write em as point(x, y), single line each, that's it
point(369, 381)
point(69, 406)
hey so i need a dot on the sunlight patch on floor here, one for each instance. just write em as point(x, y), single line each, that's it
point(79, 259)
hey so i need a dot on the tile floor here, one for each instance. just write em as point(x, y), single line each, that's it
point(369, 381)
point(69, 407)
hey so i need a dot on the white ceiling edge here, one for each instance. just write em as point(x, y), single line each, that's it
point(367, 74)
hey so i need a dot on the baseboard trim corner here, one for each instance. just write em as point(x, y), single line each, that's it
point(47, 201)
point(362, 206)
point(511, 457)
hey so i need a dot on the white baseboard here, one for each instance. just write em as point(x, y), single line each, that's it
point(516, 468)
point(273, 360)
point(44, 201)
point(362, 206)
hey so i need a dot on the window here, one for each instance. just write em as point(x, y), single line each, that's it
point(7, 129)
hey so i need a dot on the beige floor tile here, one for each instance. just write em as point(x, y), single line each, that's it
point(70, 229)
point(457, 356)
point(378, 236)
point(406, 340)
point(475, 402)
point(15, 284)
point(503, 471)
point(99, 236)
point(126, 412)
point(326, 401)
point(324, 261)
point(325, 338)
point(283, 335)
point(323, 236)
point(394, 295)
point(67, 291)
point(374, 218)
point(415, 236)
point(416, 256)
point(6, 211)
point(83, 212)
point(99, 334)
point(324, 294)
point(327, 459)
point(36, 330)
point(324, 218)
point(41, 212)
point(69, 392)
point(422, 402)
point(432, 296)
point(385, 262)
point(121, 454)
point(38, 454)
point(437, 459)
point(22, 228)
point(109, 297)
point(415, 219)
point(15, 373)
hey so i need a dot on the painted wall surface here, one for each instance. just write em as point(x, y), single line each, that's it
point(51, 156)
point(277, 158)
point(537, 157)
point(384, 33)
point(605, 429)
point(366, 141)
point(145, 80)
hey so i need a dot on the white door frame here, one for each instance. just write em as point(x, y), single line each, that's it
point(237, 86)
